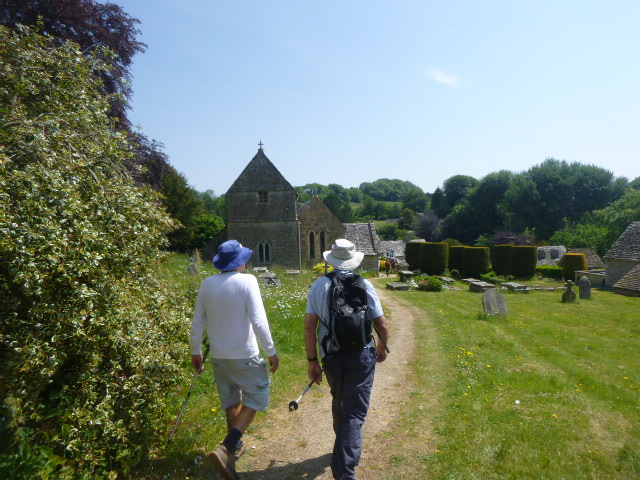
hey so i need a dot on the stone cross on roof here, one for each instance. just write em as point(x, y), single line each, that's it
point(260, 144)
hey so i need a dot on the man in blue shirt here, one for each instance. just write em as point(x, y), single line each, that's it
point(350, 374)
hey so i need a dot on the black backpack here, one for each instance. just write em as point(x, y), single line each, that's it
point(350, 327)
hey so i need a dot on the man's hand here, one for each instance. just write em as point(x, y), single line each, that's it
point(198, 363)
point(274, 361)
point(381, 352)
point(315, 372)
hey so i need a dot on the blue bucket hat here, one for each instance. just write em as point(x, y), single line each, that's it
point(231, 255)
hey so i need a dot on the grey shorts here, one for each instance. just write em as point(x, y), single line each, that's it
point(242, 380)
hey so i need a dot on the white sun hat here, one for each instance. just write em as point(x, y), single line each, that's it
point(343, 255)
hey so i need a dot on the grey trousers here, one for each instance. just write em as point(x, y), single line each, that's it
point(350, 376)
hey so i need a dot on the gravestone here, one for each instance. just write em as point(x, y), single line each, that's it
point(397, 286)
point(194, 268)
point(569, 296)
point(585, 288)
point(480, 286)
point(494, 303)
point(270, 279)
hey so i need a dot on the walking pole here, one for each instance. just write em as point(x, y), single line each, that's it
point(193, 384)
point(380, 337)
point(293, 405)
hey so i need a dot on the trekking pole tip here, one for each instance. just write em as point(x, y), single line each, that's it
point(293, 406)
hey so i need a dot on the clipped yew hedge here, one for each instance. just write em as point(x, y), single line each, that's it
point(476, 261)
point(456, 258)
point(524, 259)
point(501, 259)
point(434, 257)
point(412, 254)
point(572, 262)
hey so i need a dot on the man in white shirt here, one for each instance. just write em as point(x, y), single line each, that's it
point(229, 305)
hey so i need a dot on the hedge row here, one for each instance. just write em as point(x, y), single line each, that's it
point(517, 260)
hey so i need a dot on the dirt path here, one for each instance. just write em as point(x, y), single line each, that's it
point(298, 445)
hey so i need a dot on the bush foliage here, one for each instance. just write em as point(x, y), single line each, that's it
point(434, 257)
point(476, 261)
point(501, 259)
point(572, 262)
point(90, 338)
point(524, 259)
point(412, 254)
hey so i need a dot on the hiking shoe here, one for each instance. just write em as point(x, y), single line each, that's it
point(225, 462)
point(240, 449)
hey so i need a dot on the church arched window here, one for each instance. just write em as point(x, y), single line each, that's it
point(264, 253)
point(312, 245)
point(323, 242)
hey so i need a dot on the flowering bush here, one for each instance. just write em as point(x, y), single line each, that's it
point(91, 340)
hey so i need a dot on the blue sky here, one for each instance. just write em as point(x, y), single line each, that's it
point(352, 91)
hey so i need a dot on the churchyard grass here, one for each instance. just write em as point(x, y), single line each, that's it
point(550, 392)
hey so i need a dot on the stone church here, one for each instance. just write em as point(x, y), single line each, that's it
point(263, 215)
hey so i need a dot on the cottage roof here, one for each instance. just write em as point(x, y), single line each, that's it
point(628, 245)
point(260, 174)
point(363, 236)
point(593, 259)
point(397, 246)
point(631, 281)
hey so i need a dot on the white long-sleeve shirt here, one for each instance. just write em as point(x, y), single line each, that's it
point(229, 305)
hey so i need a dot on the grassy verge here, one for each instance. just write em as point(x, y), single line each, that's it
point(549, 392)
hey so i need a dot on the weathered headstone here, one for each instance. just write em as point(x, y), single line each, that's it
point(480, 286)
point(398, 286)
point(194, 268)
point(569, 296)
point(585, 288)
point(494, 303)
point(270, 279)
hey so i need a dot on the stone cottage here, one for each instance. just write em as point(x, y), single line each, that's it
point(262, 215)
point(623, 256)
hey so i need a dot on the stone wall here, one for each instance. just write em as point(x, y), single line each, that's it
point(616, 269)
point(315, 218)
point(247, 206)
point(281, 238)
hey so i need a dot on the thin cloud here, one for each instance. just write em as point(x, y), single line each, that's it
point(442, 77)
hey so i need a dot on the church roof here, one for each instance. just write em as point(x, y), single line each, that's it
point(628, 245)
point(260, 174)
point(630, 282)
point(363, 236)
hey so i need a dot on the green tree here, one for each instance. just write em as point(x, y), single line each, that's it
point(407, 219)
point(547, 193)
point(91, 25)
point(389, 231)
point(184, 204)
point(205, 227)
point(455, 191)
point(339, 207)
point(91, 341)
point(416, 200)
